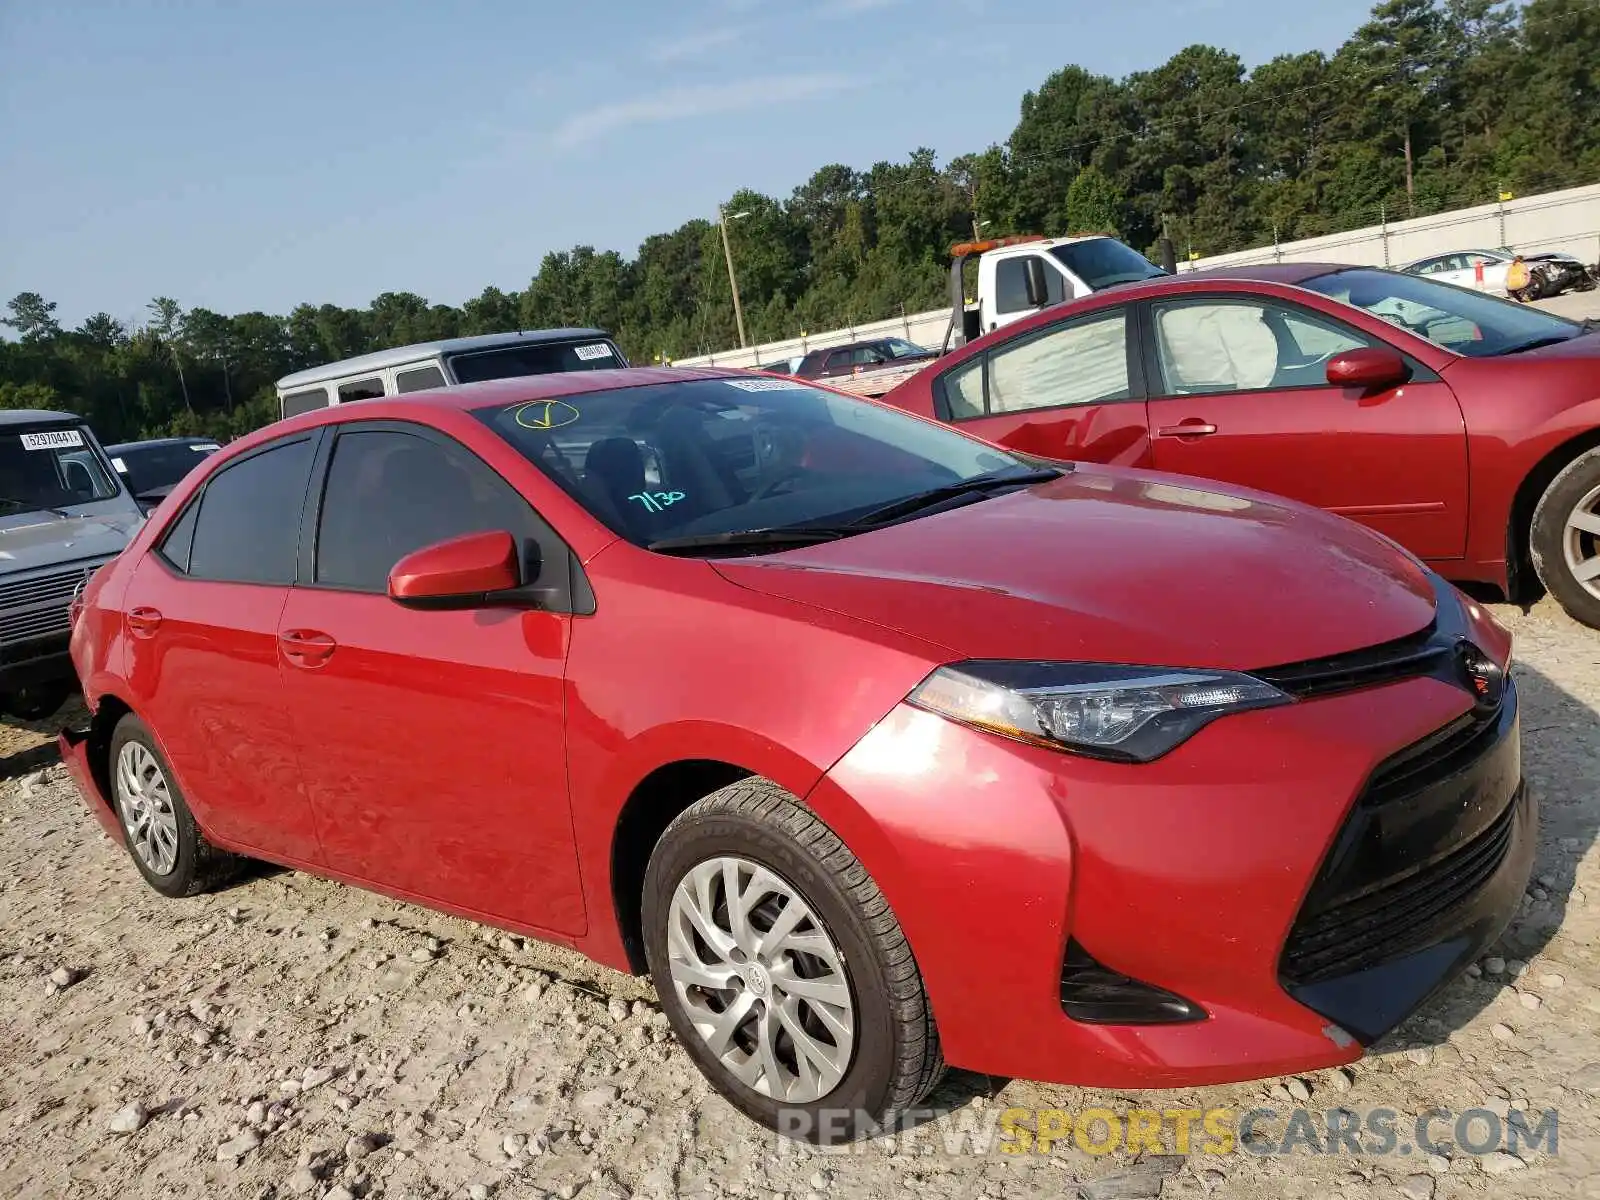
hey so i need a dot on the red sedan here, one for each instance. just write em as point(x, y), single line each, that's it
point(1463, 426)
point(878, 747)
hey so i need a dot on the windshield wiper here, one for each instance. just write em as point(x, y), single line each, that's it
point(1552, 340)
point(938, 495)
point(30, 506)
point(743, 539)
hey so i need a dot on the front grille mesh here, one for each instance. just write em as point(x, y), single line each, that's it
point(37, 607)
point(1357, 932)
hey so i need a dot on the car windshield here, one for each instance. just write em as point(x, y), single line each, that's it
point(900, 348)
point(1460, 319)
point(1102, 262)
point(42, 469)
point(726, 455)
point(146, 468)
point(536, 358)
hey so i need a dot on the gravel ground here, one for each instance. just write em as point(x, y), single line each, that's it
point(293, 1037)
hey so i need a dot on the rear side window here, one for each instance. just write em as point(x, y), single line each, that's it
point(248, 524)
point(179, 539)
point(389, 493)
point(418, 379)
point(360, 389)
point(295, 403)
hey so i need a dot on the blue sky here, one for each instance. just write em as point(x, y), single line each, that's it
point(251, 155)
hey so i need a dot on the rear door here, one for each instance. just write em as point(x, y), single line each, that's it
point(1239, 392)
point(1071, 389)
point(202, 617)
point(434, 742)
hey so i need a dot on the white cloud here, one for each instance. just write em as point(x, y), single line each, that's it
point(850, 8)
point(676, 104)
point(692, 45)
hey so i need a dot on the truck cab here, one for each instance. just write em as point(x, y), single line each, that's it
point(1020, 275)
point(64, 513)
point(447, 362)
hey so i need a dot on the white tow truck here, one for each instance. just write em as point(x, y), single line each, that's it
point(1020, 275)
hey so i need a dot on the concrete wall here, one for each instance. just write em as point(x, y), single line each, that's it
point(1564, 221)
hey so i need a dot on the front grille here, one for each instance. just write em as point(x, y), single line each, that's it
point(1422, 653)
point(1448, 752)
point(37, 607)
point(1395, 918)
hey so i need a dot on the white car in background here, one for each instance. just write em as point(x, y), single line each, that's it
point(1505, 272)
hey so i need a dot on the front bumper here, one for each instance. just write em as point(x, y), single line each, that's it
point(1190, 874)
point(36, 661)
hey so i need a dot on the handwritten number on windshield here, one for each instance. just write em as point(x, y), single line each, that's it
point(656, 501)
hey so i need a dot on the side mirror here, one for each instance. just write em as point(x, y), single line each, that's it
point(463, 572)
point(1369, 367)
point(1034, 281)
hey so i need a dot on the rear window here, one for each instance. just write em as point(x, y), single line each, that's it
point(547, 358)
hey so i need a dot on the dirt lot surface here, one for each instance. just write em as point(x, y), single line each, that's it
point(293, 1037)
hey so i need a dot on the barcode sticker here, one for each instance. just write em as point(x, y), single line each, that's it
point(765, 385)
point(120, 465)
point(55, 439)
point(590, 353)
point(205, 447)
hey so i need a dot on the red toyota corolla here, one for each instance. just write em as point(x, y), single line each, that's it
point(1463, 426)
point(878, 747)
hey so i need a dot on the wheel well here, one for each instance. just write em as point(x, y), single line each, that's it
point(107, 713)
point(660, 797)
point(1519, 559)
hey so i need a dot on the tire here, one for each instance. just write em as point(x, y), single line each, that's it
point(195, 865)
point(893, 1057)
point(1553, 542)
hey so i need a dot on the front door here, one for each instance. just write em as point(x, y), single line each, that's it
point(1239, 392)
point(433, 743)
point(202, 621)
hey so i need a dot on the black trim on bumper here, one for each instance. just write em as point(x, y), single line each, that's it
point(1097, 995)
point(1425, 875)
point(39, 660)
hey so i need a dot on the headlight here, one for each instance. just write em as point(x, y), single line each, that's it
point(1122, 713)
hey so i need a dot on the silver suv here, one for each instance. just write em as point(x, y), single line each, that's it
point(63, 513)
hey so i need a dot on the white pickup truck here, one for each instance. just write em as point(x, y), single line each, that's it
point(1022, 274)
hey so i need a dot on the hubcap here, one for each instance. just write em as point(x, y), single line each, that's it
point(1581, 543)
point(761, 979)
point(146, 804)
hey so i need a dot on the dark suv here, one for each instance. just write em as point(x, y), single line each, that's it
point(858, 358)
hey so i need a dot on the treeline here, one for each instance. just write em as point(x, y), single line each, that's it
point(1431, 104)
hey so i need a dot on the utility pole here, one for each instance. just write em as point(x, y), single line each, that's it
point(733, 281)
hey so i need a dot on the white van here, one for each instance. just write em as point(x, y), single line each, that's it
point(443, 363)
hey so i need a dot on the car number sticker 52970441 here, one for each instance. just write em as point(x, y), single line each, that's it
point(53, 439)
point(590, 353)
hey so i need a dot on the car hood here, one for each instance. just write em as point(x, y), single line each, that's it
point(1116, 566)
point(41, 540)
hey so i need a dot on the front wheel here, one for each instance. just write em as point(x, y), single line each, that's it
point(782, 969)
point(1565, 538)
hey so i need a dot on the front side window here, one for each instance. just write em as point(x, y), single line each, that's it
point(247, 528)
point(1081, 362)
point(1460, 319)
point(50, 468)
point(715, 456)
point(1240, 345)
point(1011, 284)
point(389, 493)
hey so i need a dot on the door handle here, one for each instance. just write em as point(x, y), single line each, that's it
point(143, 621)
point(1187, 429)
point(306, 647)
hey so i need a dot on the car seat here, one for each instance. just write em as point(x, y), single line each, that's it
point(613, 470)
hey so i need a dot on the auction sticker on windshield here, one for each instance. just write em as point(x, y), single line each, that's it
point(53, 439)
point(590, 353)
point(765, 385)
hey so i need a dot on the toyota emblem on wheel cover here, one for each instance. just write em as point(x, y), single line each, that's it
point(1482, 677)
